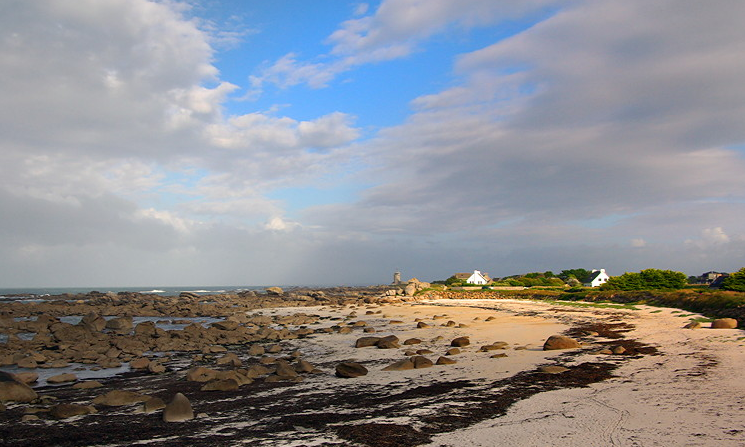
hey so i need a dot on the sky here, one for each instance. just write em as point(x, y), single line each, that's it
point(247, 142)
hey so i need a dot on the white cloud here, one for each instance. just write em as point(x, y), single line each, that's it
point(260, 132)
point(638, 243)
point(279, 224)
point(393, 31)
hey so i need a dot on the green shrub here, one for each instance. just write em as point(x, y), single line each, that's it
point(735, 281)
point(649, 279)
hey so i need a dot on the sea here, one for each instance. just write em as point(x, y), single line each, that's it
point(41, 292)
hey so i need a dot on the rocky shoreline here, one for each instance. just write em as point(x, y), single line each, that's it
point(264, 371)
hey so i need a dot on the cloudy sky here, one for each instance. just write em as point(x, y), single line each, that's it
point(248, 142)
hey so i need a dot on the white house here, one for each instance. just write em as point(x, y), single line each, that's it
point(477, 278)
point(597, 278)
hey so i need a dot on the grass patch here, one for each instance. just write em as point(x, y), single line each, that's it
point(601, 305)
point(702, 319)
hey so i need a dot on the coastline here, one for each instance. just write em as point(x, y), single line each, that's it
point(640, 397)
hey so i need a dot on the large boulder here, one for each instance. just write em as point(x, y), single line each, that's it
point(14, 390)
point(560, 342)
point(350, 370)
point(178, 410)
point(276, 291)
point(724, 323)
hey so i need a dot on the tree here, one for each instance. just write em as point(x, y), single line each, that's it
point(453, 281)
point(579, 274)
point(735, 281)
point(647, 279)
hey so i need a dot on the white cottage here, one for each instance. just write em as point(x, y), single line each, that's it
point(597, 278)
point(478, 278)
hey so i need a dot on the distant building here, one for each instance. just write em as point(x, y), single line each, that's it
point(597, 278)
point(711, 277)
point(476, 277)
point(397, 278)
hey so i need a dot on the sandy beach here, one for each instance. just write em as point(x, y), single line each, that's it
point(662, 385)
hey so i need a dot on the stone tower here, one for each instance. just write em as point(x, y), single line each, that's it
point(397, 278)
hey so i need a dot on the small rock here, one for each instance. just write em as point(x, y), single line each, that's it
point(276, 291)
point(460, 342)
point(87, 385)
point(412, 341)
point(139, 363)
point(12, 389)
point(178, 410)
point(452, 351)
point(724, 323)
point(303, 366)
point(350, 369)
point(230, 359)
point(498, 356)
point(221, 385)
point(423, 325)
point(118, 398)
point(693, 325)
point(560, 342)
point(365, 342)
point(64, 411)
point(27, 377)
point(285, 370)
point(153, 404)
point(401, 365)
point(200, 374)
point(618, 350)
point(445, 361)
point(256, 350)
point(62, 378)
point(421, 362)
point(156, 367)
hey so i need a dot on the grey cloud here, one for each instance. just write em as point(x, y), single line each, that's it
point(629, 109)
